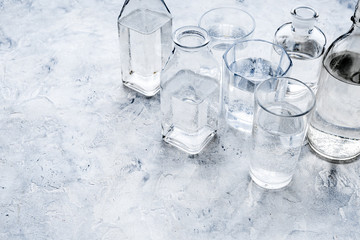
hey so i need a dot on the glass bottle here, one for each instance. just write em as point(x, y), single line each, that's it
point(190, 88)
point(145, 28)
point(305, 44)
point(334, 130)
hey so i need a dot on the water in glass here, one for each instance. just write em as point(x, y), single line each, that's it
point(276, 150)
point(335, 129)
point(190, 110)
point(239, 102)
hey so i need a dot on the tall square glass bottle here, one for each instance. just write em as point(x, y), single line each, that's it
point(145, 28)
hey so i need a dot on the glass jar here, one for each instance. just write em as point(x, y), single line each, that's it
point(334, 130)
point(305, 44)
point(145, 28)
point(190, 87)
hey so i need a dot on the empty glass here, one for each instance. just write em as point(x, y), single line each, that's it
point(245, 65)
point(280, 123)
point(225, 26)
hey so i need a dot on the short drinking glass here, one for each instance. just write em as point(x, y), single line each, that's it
point(245, 65)
point(280, 124)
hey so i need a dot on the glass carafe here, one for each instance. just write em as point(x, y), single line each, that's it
point(305, 44)
point(145, 29)
point(190, 88)
point(334, 130)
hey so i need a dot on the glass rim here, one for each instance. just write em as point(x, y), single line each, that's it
point(256, 40)
point(191, 30)
point(230, 8)
point(308, 89)
point(294, 11)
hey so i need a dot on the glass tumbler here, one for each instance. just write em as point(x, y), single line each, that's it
point(245, 65)
point(280, 124)
point(225, 26)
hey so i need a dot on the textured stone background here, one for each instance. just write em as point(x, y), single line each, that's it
point(81, 157)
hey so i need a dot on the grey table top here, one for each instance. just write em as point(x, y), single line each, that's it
point(81, 156)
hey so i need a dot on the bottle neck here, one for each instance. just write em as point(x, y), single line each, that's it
point(191, 39)
point(303, 20)
point(356, 17)
point(191, 50)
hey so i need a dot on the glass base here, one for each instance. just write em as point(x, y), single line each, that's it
point(333, 159)
point(240, 126)
point(141, 90)
point(147, 86)
point(269, 185)
point(192, 143)
point(333, 148)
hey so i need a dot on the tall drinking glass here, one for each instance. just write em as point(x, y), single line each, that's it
point(280, 123)
point(245, 65)
point(225, 26)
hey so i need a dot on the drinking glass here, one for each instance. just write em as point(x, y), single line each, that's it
point(280, 124)
point(245, 65)
point(225, 26)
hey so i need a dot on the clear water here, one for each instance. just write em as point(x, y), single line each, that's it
point(190, 109)
point(306, 54)
point(277, 143)
point(239, 95)
point(306, 69)
point(334, 130)
point(145, 45)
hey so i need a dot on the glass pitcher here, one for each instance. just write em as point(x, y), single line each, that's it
point(334, 130)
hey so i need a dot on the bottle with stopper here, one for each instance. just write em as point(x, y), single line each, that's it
point(334, 130)
point(305, 44)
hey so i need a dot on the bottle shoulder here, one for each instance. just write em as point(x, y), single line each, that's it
point(203, 57)
point(350, 41)
point(342, 59)
point(145, 21)
point(202, 62)
point(312, 45)
point(157, 7)
point(285, 32)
